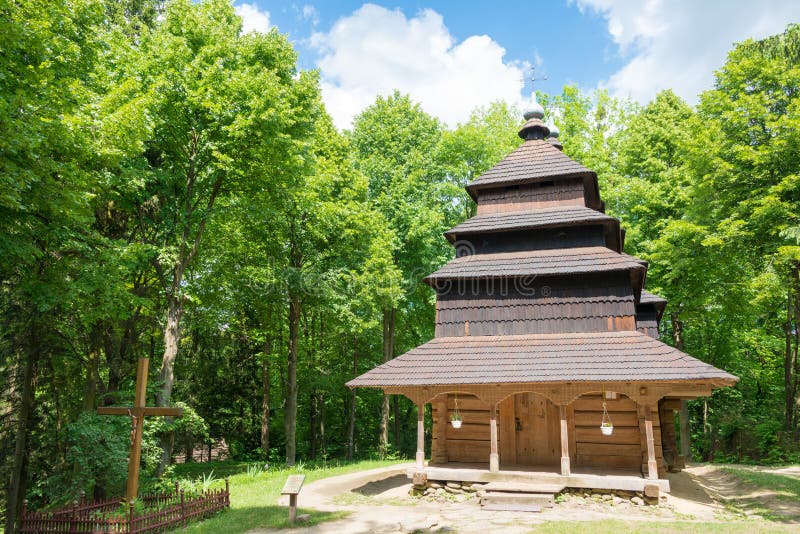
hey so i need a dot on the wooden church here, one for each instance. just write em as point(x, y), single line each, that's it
point(546, 363)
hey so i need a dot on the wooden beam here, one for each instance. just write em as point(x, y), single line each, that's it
point(420, 436)
point(565, 467)
point(652, 466)
point(494, 456)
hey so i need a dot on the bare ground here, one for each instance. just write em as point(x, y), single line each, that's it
point(380, 503)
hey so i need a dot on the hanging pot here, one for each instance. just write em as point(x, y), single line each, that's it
point(607, 429)
point(456, 423)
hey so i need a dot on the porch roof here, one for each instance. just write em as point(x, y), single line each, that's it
point(581, 357)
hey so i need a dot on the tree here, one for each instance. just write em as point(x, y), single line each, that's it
point(215, 110)
point(395, 144)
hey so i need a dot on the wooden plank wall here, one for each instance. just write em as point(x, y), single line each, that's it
point(624, 448)
point(588, 235)
point(471, 442)
point(591, 304)
point(532, 196)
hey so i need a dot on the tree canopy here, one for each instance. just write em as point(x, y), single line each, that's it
point(174, 188)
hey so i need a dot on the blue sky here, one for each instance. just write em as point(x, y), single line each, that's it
point(454, 56)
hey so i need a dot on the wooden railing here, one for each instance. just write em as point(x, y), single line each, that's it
point(162, 512)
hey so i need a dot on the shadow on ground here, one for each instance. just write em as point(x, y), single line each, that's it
point(378, 487)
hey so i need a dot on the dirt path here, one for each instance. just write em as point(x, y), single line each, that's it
point(380, 503)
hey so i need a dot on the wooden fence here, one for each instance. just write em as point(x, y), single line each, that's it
point(162, 512)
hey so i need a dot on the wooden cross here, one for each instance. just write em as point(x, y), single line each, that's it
point(137, 413)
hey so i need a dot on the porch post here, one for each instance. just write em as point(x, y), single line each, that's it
point(420, 436)
point(494, 457)
point(652, 466)
point(565, 469)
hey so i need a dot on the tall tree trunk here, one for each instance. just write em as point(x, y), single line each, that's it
point(312, 425)
point(397, 419)
point(172, 337)
point(686, 447)
point(388, 353)
point(16, 488)
point(794, 326)
point(323, 446)
point(290, 419)
point(351, 431)
point(788, 367)
point(265, 400)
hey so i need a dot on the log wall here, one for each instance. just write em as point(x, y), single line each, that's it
point(544, 194)
point(625, 448)
point(591, 303)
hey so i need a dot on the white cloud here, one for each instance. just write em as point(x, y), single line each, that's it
point(253, 19)
point(376, 50)
point(678, 44)
point(310, 13)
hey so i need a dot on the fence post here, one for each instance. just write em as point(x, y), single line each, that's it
point(227, 493)
point(183, 510)
point(130, 516)
point(24, 514)
point(73, 520)
point(83, 497)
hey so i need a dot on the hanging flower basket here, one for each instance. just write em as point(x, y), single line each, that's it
point(455, 417)
point(455, 420)
point(606, 427)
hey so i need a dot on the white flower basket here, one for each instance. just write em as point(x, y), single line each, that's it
point(607, 430)
point(456, 424)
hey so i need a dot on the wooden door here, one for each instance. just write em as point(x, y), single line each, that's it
point(537, 430)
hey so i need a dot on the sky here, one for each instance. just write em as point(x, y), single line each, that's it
point(454, 56)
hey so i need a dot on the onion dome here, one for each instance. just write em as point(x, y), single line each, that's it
point(553, 138)
point(534, 127)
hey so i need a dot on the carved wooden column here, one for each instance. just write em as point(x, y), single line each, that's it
point(494, 456)
point(565, 467)
point(652, 466)
point(420, 436)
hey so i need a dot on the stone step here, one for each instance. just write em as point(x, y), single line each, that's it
point(512, 507)
point(523, 487)
point(541, 500)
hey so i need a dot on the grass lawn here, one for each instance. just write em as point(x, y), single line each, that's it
point(782, 502)
point(254, 495)
point(661, 527)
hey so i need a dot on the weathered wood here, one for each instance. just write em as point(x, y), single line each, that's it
point(137, 412)
point(565, 467)
point(603, 449)
point(439, 441)
point(628, 435)
point(420, 436)
point(652, 466)
point(507, 433)
point(668, 437)
point(468, 450)
point(593, 419)
point(576, 480)
point(494, 456)
point(538, 436)
point(594, 460)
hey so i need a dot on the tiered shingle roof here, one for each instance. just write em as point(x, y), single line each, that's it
point(598, 356)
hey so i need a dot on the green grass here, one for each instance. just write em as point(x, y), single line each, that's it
point(785, 491)
point(786, 486)
point(661, 527)
point(254, 498)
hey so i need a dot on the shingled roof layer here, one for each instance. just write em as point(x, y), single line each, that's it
point(534, 159)
point(530, 219)
point(583, 357)
point(536, 262)
point(650, 298)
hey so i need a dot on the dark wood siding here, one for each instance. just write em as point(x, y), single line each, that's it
point(531, 196)
point(546, 238)
point(590, 303)
point(647, 320)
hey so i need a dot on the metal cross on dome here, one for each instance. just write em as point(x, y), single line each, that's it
point(533, 79)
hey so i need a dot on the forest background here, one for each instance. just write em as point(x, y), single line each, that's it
point(174, 189)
